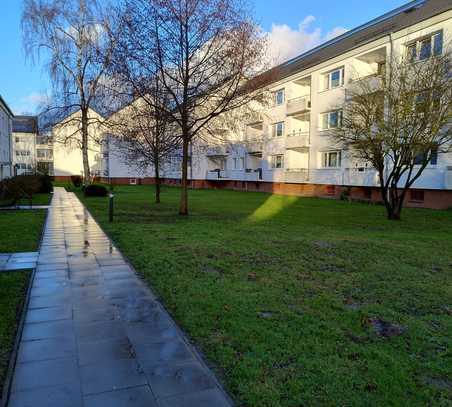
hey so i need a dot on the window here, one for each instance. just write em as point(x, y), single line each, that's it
point(239, 163)
point(278, 97)
point(425, 47)
point(420, 158)
point(417, 196)
point(278, 129)
point(42, 153)
point(331, 159)
point(333, 79)
point(331, 120)
point(278, 161)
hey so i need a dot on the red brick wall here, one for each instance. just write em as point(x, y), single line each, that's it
point(435, 199)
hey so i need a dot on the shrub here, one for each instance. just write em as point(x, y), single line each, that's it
point(24, 186)
point(77, 180)
point(21, 186)
point(95, 190)
point(46, 184)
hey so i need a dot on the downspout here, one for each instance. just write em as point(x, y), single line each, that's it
point(191, 164)
point(389, 75)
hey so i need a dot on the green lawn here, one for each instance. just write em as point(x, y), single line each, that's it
point(20, 231)
point(38, 199)
point(13, 287)
point(282, 293)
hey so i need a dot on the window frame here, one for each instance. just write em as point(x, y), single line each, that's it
point(274, 162)
point(276, 94)
point(325, 160)
point(275, 129)
point(416, 46)
point(328, 114)
point(328, 81)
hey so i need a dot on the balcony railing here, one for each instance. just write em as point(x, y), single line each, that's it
point(296, 175)
point(254, 146)
point(448, 178)
point(361, 177)
point(298, 105)
point(366, 84)
point(254, 119)
point(297, 139)
point(253, 174)
point(215, 175)
point(216, 151)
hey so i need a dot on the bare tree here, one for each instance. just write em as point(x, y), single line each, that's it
point(205, 52)
point(71, 35)
point(143, 132)
point(399, 122)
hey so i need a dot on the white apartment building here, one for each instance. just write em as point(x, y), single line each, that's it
point(25, 130)
point(286, 147)
point(6, 117)
point(66, 141)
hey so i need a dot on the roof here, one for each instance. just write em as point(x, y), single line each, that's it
point(393, 21)
point(25, 124)
point(2, 102)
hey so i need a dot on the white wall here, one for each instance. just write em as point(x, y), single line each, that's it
point(5, 142)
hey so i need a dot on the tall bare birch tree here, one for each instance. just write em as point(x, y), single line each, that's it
point(70, 35)
point(205, 52)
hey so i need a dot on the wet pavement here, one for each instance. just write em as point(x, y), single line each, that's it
point(18, 261)
point(94, 334)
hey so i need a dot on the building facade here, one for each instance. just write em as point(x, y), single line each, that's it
point(285, 147)
point(25, 131)
point(6, 159)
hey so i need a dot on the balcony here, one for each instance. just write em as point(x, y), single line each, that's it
point(364, 85)
point(253, 174)
point(217, 151)
point(361, 177)
point(297, 140)
point(448, 178)
point(296, 175)
point(217, 175)
point(255, 120)
point(299, 105)
point(254, 147)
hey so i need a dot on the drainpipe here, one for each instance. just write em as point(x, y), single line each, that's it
point(191, 164)
point(389, 73)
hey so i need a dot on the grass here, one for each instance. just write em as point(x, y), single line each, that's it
point(282, 293)
point(20, 230)
point(13, 287)
point(38, 199)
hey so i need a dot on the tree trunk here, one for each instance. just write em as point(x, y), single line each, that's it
point(395, 205)
point(86, 170)
point(183, 208)
point(157, 181)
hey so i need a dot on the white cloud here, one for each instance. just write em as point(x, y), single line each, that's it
point(30, 104)
point(285, 42)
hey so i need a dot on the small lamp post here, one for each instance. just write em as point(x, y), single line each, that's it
point(110, 206)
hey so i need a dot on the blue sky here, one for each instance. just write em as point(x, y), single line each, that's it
point(294, 26)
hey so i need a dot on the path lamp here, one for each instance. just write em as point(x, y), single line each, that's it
point(110, 206)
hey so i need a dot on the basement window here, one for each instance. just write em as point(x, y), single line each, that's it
point(416, 196)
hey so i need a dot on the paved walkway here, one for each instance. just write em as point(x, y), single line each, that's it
point(18, 261)
point(94, 334)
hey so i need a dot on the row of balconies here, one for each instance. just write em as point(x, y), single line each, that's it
point(345, 176)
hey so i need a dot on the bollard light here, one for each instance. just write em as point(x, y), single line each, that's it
point(110, 207)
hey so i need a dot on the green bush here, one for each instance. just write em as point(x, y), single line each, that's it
point(95, 190)
point(46, 184)
point(24, 187)
point(77, 180)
